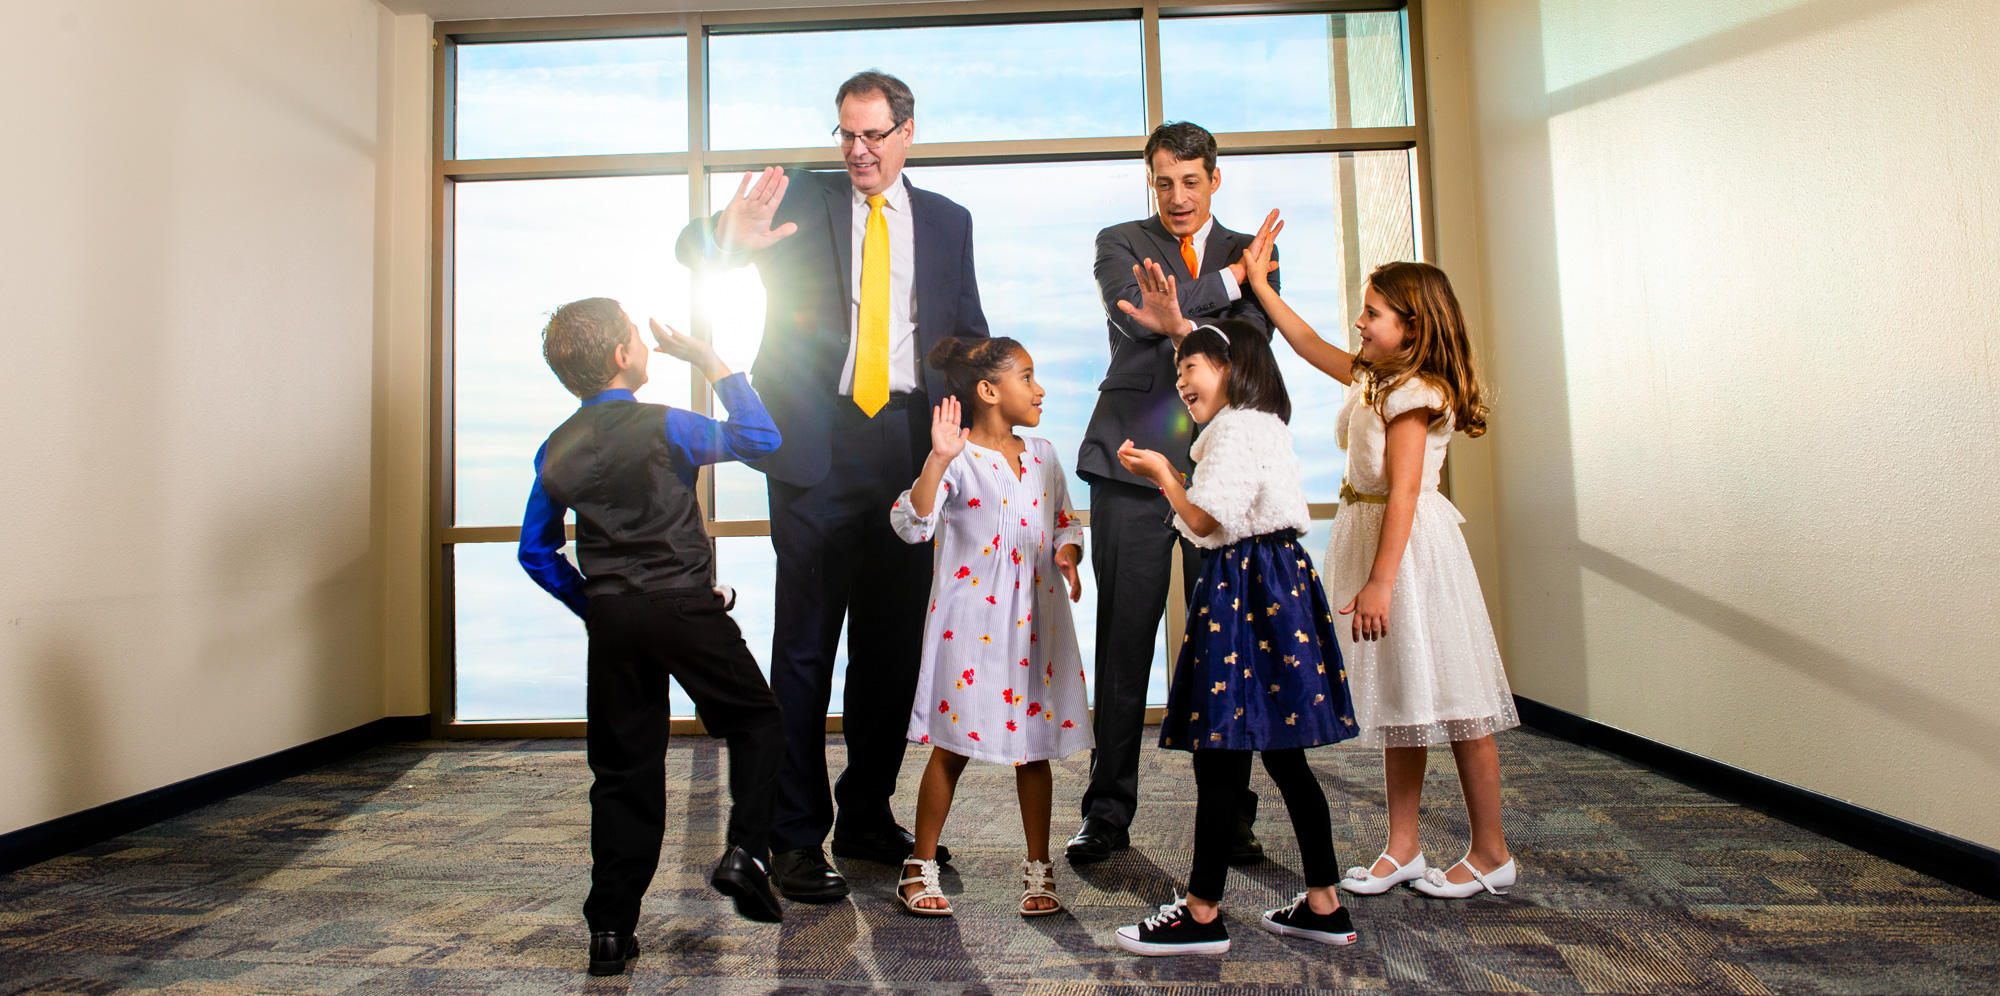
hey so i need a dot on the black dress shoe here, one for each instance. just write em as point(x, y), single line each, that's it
point(740, 877)
point(888, 846)
point(1096, 841)
point(1247, 849)
point(610, 950)
point(803, 876)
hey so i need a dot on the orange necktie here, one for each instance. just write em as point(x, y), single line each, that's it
point(1187, 253)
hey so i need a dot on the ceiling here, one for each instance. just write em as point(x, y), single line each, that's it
point(459, 10)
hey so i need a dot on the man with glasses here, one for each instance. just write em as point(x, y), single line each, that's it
point(1132, 537)
point(863, 273)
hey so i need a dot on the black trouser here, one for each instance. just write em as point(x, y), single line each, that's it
point(1132, 546)
point(636, 643)
point(1220, 779)
point(839, 560)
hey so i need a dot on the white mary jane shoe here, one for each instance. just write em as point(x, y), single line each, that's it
point(1498, 881)
point(1363, 882)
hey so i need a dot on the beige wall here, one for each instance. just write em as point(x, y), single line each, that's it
point(203, 350)
point(1736, 269)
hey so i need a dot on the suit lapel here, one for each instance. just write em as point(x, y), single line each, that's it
point(924, 238)
point(840, 219)
point(1215, 253)
point(1169, 248)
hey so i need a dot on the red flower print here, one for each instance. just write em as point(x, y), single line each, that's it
point(996, 540)
point(1050, 670)
point(990, 601)
point(1038, 459)
point(972, 735)
point(898, 504)
point(944, 705)
point(926, 739)
point(967, 676)
point(974, 502)
point(1031, 638)
point(947, 634)
point(1006, 695)
point(1011, 727)
point(1062, 519)
point(963, 572)
point(1016, 554)
point(1024, 662)
point(1068, 724)
point(1034, 707)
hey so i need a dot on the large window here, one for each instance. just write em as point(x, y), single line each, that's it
point(568, 164)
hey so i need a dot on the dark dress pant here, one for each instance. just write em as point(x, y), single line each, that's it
point(636, 643)
point(1132, 546)
point(839, 560)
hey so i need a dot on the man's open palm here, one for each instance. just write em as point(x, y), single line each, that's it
point(745, 225)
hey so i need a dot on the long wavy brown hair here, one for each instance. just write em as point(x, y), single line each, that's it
point(1437, 348)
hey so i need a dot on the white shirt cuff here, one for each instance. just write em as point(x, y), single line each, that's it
point(1230, 287)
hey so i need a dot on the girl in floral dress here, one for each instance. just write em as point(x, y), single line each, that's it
point(1001, 678)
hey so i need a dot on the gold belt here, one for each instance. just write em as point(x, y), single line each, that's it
point(1350, 496)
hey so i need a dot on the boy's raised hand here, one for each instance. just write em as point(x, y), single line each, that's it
point(745, 222)
point(686, 347)
point(947, 438)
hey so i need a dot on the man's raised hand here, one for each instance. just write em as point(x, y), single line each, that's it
point(745, 224)
point(1159, 307)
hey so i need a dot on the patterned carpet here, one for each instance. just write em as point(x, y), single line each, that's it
point(458, 868)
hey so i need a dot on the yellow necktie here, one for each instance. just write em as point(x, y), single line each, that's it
point(1187, 255)
point(871, 354)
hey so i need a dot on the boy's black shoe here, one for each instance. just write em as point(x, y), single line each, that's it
point(804, 876)
point(887, 846)
point(610, 950)
point(1175, 931)
point(1299, 920)
point(742, 878)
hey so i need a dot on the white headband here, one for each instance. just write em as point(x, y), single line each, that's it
point(1217, 331)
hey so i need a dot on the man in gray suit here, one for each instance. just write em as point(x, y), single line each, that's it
point(1132, 538)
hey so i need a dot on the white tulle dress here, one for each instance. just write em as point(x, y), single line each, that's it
point(1436, 677)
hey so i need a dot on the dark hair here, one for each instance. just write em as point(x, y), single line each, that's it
point(966, 362)
point(902, 103)
point(1254, 379)
point(1186, 140)
point(578, 342)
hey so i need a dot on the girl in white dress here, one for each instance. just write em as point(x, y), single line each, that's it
point(1421, 658)
point(1001, 678)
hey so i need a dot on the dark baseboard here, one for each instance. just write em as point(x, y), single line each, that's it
point(1962, 863)
point(38, 843)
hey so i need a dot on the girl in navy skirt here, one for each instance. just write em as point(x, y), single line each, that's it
point(1260, 669)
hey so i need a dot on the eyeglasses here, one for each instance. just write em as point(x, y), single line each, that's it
point(870, 140)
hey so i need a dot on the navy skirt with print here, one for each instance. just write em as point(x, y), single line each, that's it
point(1260, 669)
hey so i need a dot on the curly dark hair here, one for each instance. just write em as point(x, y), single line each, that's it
point(1184, 140)
point(966, 362)
point(579, 341)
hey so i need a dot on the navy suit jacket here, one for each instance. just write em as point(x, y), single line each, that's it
point(1137, 399)
point(808, 288)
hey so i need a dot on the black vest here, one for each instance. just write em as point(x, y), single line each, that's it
point(638, 528)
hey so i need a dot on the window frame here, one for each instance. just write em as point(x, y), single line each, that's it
point(696, 27)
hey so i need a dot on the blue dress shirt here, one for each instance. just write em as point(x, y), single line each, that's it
point(697, 441)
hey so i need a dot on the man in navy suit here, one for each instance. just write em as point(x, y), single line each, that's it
point(863, 274)
point(1132, 537)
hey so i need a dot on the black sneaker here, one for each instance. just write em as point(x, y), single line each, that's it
point(1299, 920)
point(1175, 931)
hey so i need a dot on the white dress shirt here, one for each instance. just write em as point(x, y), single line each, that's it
point(902, 299)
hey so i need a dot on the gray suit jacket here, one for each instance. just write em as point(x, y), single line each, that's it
point(1137, 399)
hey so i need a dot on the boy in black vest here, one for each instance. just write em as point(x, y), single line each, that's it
point(648, 598)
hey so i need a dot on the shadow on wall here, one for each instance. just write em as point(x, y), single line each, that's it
point(1879, 688)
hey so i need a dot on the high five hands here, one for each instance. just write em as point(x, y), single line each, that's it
point(1257, 261)
point(745, 224)
point(682, 346)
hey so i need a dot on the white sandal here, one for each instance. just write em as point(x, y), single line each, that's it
point(927, 873)
point(1498, 881)
point(1037, 883)
point(1364, 882)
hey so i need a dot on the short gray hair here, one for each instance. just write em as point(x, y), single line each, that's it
point(868, 82)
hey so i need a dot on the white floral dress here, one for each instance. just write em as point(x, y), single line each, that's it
point(1002, 679)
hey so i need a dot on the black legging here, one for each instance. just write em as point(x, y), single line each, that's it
point(1220, 779)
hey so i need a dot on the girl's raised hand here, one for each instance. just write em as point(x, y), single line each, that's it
point(947, 439)
point(1257, 261)
point(1370, 610)
point(1144, 463)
